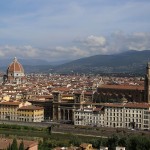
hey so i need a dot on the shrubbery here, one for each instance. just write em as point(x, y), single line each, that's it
point(20, 127)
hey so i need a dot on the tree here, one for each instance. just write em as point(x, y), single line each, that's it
point(75, 141)
point(21, 147)
point(122, 142)
point(50, 130)
point(112, 142)
point(133, 143)
point(96, 143)
point(14, 145)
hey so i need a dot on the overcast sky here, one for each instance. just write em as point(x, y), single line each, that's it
point(70, 29)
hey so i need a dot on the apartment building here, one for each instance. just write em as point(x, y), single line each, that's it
point(9, 109)
point(137, 115)
point(89, 116)
point(129, 115)
point(21, 111)
point(114, 115)
point(31, 113)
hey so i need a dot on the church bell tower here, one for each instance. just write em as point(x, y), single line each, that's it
point(147, 83)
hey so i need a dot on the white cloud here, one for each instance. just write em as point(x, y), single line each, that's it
point(26, 51)
point(91, 45)
point(93, 41)
point(134, 41)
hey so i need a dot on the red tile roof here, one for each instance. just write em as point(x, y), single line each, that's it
point(4, 143)
point(10, 103)
point(123, 87)
point(30, 107)
point(137, 105)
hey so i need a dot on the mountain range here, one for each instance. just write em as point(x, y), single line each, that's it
point(127, 62)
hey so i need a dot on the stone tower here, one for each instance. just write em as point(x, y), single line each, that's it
point(147, 83)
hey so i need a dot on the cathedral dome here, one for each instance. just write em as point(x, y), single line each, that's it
point(15, 67)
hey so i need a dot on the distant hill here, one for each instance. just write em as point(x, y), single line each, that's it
point(126, 62)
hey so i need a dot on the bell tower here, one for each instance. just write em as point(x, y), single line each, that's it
point(147, 83)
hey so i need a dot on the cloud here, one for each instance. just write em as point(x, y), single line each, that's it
point(33, 23)
point(26, 51)
point(88, 46)
point(135, 41)
point(93, 41)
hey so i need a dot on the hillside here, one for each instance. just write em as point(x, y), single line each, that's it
point(126, 62)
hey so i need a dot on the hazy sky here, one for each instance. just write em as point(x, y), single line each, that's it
point(71, 29)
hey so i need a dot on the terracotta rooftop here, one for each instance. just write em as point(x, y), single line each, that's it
point(30, 107)
point(123, 87)
point(137, 105)
point(113, 104)
point(15, 66)
point(4, 143)
point(10, 103)
point(130, 105)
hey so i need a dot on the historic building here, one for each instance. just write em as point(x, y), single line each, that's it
point(89, 116)
point(147, 83)
point(120, 93)
point(21, 111)
point(47, 105)
point(64, 105)
point(31, 113)
point(15, 73)
point(69, 107)
point(115, 115)
point(9, 109)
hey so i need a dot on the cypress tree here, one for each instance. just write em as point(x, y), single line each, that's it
point(14, 145)
point(21, 146)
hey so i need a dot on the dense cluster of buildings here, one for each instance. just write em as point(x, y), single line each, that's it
point(78, 99)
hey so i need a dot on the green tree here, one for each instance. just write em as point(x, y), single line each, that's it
point(14, 145)
point(112, 142)
point(75, 141)
point(96, 143)
point(142, 143)
point(21, 146)
point(122, 142)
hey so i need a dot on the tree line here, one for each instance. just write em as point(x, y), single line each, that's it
point(131, 142)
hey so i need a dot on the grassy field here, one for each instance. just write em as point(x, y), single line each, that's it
point(38, 132)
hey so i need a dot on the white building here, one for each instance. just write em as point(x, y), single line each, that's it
point(129, 115)
point(89, 116)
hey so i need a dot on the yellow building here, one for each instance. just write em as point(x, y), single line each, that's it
point(31, 113)
point(5, 97)
point(8, 110)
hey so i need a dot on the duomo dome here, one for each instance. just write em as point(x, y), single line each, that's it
point(15, 73)
point(15, 68)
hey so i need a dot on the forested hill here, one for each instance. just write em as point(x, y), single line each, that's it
point(126, 62)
